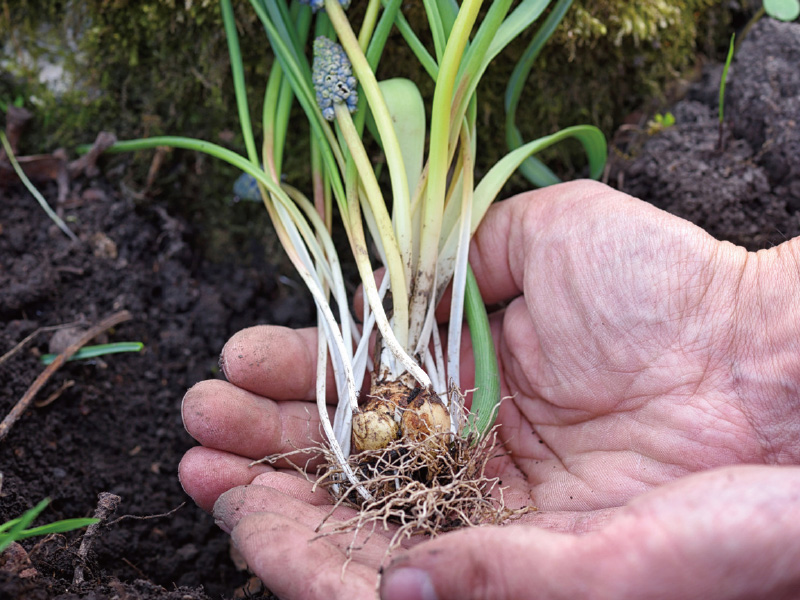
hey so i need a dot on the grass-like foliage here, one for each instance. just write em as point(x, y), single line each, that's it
point(97, 351)
point(417, 225)
point(32, 189)
point(19, 528)
point(723, 80)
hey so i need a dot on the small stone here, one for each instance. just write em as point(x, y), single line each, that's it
point(63, 338)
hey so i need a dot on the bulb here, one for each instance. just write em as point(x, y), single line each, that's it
point(424, 416)
point(374, 427)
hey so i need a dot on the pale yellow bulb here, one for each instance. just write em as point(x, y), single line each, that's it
point(374, 427)
point(424, 416)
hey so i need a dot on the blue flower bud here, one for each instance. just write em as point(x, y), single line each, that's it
point(333, 77)
point(318, 4)
point(246, 188)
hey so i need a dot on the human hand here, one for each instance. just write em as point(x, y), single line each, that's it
point(636, 349)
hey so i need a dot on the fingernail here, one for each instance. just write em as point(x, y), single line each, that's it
point(407, 584)
point(223, 366)
point(183, 418)
point(221, 524)
point(226, 510)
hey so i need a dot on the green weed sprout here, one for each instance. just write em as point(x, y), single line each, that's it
point(660, 122)
point(18, 101)
point(722, 82)
point(17, 529)
point(97, 351)
point(420, 224)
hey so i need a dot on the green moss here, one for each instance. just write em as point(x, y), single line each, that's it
point(160, 66)
point(139, 68)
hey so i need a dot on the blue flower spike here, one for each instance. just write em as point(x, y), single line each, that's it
point(246, 188)
point(333, 77)
point(318, 4)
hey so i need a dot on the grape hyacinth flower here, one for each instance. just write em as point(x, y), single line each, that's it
point(333, 77)
point(318, 4)
point(246, 188)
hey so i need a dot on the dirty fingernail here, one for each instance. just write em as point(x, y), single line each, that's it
point(223, 365)
point(226, 510)
point(407, 584)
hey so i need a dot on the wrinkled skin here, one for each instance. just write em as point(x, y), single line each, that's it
point(653, 419)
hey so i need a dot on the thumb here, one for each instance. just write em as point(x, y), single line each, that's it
point(727, 533)
point(485, 562)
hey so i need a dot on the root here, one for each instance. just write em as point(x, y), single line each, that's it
point(419, 488)
point(423, 487)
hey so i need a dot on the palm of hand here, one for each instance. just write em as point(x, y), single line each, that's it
point(615, 357)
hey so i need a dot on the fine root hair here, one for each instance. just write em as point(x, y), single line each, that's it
point(419, 488)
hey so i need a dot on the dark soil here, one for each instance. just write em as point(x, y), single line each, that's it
point(747, 191)
point(118, 428)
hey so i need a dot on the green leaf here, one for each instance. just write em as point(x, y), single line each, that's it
point(98, 350)
point(519, 19)
point(724, 79)
point(12, 529)
point(783, 10)
point(416, 46)
point(592, 139)
point(237, 70)
point(407, 110)
point(57, 527)
point(533, 170)
point(16, 529)
point(486, 397)
point(32, 189)
point(437, 27)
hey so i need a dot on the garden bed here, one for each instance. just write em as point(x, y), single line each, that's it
point(117, 427)
point(114, 425)
point(748, 190)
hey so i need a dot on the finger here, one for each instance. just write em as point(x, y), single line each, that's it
point(280, 552)
point(225, 417)
point(235, 504)
point(205, 474)
point(295, 486)
point(366, 546)
point(734, 529)
point(275, 362)
point(491, 562)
